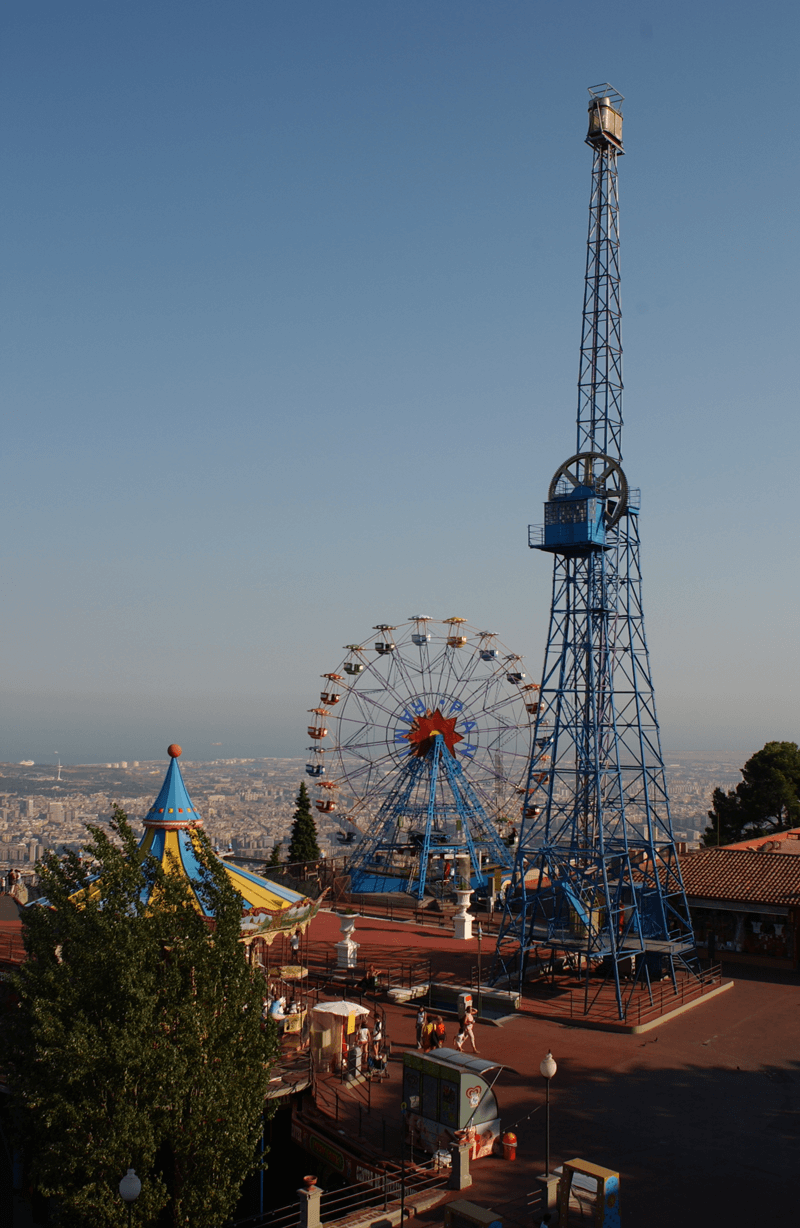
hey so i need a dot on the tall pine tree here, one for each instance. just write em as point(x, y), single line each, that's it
point(138, 1041)
point(303, 845)
point(766, 800)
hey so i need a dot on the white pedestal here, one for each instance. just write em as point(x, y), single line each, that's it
point(346, 953)
point(462, 920)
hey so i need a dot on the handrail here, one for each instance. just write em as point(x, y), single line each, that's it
point(665, 999)
point(394, 1185)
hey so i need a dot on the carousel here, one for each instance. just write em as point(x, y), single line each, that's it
point(269, 910)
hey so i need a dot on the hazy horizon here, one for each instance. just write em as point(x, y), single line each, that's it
point(292, 313)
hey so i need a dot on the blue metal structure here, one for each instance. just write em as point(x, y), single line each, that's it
point(420, 746)
point(430, 815)
point(597, 878)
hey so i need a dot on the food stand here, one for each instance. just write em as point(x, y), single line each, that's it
point(333, 1035)
point(449, 1098)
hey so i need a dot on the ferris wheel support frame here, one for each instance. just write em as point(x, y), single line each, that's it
point(476, 829)
point(376, 761)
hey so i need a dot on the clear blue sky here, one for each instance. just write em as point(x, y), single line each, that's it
point(291, 315)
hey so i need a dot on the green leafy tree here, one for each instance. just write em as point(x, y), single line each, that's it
point(138, 1040)
point(766, 800)
point(303, 845)
point(275, 857)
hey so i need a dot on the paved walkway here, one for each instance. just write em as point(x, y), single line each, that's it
point(701, 1116)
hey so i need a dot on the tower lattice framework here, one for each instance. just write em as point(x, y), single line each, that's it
point(597, 879)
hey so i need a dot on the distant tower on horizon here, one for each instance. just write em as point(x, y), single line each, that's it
point(596, 876)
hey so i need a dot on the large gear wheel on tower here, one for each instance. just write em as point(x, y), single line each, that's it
point(420, 744)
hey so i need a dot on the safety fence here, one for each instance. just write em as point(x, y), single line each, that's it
point(359, 983)
point(599, 1004)
point(391, 1187)
point(384, 1191)
point(440, 917)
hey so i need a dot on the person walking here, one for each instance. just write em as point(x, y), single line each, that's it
point(363, 1041)
point(377, 1038)
point(470, 1019)
point(460, 1037)
point(440, 1032)
point(420, 1025)
point(433, 1039)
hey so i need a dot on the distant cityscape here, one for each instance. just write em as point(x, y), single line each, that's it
point(246, 804)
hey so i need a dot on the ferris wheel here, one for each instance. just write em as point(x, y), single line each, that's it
point(423, 677)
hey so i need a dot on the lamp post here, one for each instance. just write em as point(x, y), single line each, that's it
point(130, 1187)
point(403, 1108)
point(480, 939)
point(548, 1068)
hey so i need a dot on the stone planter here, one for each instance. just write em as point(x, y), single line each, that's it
point(346, 948)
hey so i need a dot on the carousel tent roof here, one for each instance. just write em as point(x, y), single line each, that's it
point(170, 834)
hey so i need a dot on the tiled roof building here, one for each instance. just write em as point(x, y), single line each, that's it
point(738, 875)
point(778, 842)
point(745, 903)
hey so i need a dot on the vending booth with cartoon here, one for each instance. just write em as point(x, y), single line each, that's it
point(449, 1097)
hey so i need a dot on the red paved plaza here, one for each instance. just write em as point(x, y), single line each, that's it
point(701, 1116)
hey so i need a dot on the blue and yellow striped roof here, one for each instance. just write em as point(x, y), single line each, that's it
point(169, 835)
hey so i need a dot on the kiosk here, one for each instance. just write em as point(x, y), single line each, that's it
point(592, 1191)
point(450, 1098)
point(333, 1036)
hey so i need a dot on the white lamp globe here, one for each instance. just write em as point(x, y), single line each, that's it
point(130, 1187)
point(548, 1067)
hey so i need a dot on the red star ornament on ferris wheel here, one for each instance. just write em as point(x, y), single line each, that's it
point(426, 728)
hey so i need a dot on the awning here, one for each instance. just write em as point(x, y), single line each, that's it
point(462, 1061)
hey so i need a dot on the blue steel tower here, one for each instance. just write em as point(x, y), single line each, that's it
point(597, 879)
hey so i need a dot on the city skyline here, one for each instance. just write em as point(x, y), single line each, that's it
point(293, 306)
point(245, 805)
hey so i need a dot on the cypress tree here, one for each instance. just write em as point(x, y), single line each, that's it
point(138, 1041)
point(303, 845)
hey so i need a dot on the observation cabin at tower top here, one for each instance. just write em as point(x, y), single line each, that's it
point(589, 493)
point(605, 118)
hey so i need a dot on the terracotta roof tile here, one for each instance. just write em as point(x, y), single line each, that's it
point(740, 875)
point(778, 842)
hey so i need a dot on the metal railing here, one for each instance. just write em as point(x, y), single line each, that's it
point(665, 998)
point(385, 1190)
point(404, 974)
point(281, 1217)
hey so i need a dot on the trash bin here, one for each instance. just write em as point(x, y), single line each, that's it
point(509, 1141)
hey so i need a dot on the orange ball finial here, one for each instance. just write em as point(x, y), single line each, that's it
point(174, 750)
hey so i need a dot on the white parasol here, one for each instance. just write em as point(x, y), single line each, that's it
point(340, 1008)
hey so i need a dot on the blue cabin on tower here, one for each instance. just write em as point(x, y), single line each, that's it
point(573, 522)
